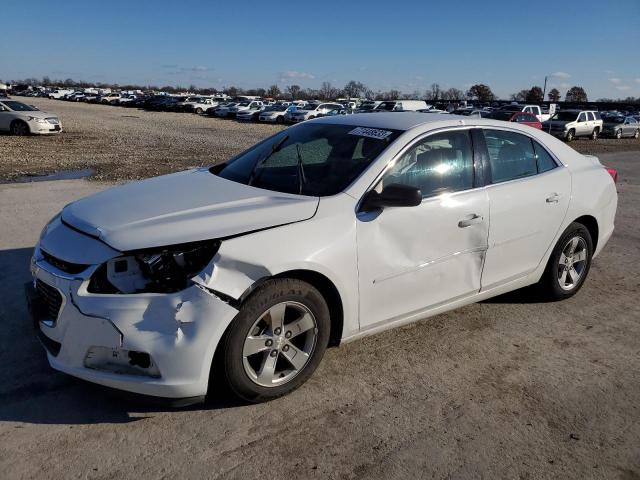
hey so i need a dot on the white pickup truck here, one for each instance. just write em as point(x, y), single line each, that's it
point(533, 109)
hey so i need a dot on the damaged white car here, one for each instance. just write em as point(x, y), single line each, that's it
point(336, 228)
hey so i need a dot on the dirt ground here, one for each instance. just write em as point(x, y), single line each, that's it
point(121, 143)
point(508, 388)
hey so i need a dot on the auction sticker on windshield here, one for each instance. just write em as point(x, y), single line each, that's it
point(370, 132)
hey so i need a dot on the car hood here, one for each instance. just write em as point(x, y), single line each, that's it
point(36, 114)
point(182, 207)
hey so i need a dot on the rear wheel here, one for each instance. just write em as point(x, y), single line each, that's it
point(280, 119)
point(637, 134)
point(569, 263)
point(20, 128)
point(276, 341)
point(198, 110)
point(594, 134)
point(571, 134)
point(618, 133)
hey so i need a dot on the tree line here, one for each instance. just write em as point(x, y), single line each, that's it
point(352, 89)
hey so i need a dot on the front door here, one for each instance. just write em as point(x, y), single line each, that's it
point(414, 258)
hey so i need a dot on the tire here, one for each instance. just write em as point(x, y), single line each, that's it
point(19, 128)
point(594, 134)
point(637, 134)
point(280, 120)
point(618, 134)
point(267, 373)
point(571, 134)
point(559, 278)
point(199, 111)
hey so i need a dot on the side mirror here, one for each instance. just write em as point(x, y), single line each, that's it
point(393, 195)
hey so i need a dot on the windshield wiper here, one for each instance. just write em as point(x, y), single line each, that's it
point(274, 148)
point(302, 178)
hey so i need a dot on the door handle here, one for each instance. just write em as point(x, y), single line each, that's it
point(553, 198)
point(471, 220)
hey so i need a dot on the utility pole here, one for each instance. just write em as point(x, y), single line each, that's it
point(544, 90)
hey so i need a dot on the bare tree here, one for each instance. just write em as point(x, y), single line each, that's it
point(434, 93)
point(274, 91)
point(353, 89)
point(293, 90)
point(328, 91)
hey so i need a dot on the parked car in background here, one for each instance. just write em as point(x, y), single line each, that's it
point(109, 98)
point(222, 111)
point(313, 110)
point(22, 119)
point(273, 114)
point(253, 105)
point(401, 106)
point(339, 228)
point(251, 114)
point(532, 109)
point(518, 117)
point(198, 104)
point(569, 124)
point(125, 99)
point(367, 106)
point(59, 93)
point(481, 113)
point(620, 126)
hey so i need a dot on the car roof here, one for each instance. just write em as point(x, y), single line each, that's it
point(393, 120)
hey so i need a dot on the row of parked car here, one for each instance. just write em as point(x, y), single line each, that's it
point(565, 124)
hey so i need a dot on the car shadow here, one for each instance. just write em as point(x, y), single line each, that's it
point(530, 294)
point(33, 392)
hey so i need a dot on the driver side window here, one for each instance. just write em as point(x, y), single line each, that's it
point(440, 163)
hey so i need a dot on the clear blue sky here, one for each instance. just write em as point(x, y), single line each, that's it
point(406, 45)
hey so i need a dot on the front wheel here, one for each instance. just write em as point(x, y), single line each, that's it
point(569, 264)
point(276, 341)
point(199, 111)
point(570, 135)
point(618, 134)
point(637, 134)
point(280, 119)
point(19, 128)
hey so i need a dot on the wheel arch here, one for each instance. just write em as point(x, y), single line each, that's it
point(19, 120)
point(591, 224)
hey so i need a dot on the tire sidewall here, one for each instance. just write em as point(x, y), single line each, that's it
point(268, 294)
point(16, 123)
point(570, 135)
point(550, 278)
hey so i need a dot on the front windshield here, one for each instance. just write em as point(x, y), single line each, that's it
point(20, 107)
point(310, 106)
point(310, 159)
point(614, 120)
point(565, 116)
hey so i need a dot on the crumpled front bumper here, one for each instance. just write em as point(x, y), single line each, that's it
point(179, 331)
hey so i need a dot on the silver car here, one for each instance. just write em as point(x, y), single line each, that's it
point(620, 126)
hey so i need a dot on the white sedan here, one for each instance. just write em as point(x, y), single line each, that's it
point(326, 232)
point(22, 119)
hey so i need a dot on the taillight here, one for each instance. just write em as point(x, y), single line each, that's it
point(614, 173)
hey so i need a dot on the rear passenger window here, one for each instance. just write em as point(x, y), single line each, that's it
point(511, 155)
point(591, 117)
point(544, 160)
point(441, 163)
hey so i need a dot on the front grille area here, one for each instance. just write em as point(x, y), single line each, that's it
point(66, 267)
point(51, 297)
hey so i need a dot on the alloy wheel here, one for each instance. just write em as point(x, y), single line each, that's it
point(572, 263)
point(279, 344)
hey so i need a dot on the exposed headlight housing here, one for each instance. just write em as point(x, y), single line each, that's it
point(158, 270)
point(37, 120)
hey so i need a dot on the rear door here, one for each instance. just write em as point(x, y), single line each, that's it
point(582, 125)
point(5, 117)
point(529, 194)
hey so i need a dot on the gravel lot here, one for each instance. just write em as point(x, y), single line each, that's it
point(121, 143)
point(508, 388)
